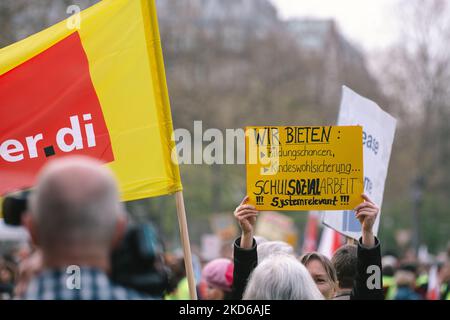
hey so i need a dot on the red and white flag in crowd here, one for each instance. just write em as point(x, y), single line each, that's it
point(433, 284)
point(311, 232)
point(330, 241)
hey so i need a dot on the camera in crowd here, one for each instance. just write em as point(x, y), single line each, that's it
point(14, 207)
point(138, 262)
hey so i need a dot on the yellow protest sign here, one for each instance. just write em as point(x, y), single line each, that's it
point(304, 168)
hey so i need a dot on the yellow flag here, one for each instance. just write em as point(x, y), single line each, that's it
point(95, 85)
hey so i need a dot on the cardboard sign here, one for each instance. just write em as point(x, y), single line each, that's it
point(378, 136)
point(304, 168)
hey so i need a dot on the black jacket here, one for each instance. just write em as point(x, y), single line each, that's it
point(245, 260)
point(368, 257)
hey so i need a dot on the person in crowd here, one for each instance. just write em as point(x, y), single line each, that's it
point(28, 269)
point(389, 264)
point(281, 277)
point(368, 252)
point(179, 288)
point(444, 275)
point(8, 271)
point(323, 273)
point(218, 278)
point(356, 264)
point(75, 218)
point(405, 280)
point(138, 261)
point(345, 261)
point(245, 255)
point(422, 279)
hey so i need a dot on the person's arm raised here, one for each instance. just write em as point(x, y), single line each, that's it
point(368, 284)
point(245, 249)
point(246, 216)
point(367, 213)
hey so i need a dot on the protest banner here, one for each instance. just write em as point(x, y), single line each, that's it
point(304, 168)
point(96, 88)
point(378, 136)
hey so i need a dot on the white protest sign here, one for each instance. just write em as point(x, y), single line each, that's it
point(378, 136)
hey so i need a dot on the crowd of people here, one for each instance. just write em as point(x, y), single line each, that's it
point(75, 219)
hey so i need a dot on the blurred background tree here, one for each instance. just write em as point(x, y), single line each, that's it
point(415, 74)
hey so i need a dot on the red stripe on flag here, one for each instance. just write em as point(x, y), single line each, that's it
point(49, 108)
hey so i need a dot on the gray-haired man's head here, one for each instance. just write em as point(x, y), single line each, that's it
point(75, 204)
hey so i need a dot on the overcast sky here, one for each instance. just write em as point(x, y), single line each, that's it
point(369, 23)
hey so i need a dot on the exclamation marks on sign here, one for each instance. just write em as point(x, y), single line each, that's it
point(345, 199)
point(259, 200)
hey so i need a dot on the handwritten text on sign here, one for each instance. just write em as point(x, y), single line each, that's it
point(304, 168)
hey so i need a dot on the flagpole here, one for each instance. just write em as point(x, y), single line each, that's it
point(351, 241)
point(181, 212)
